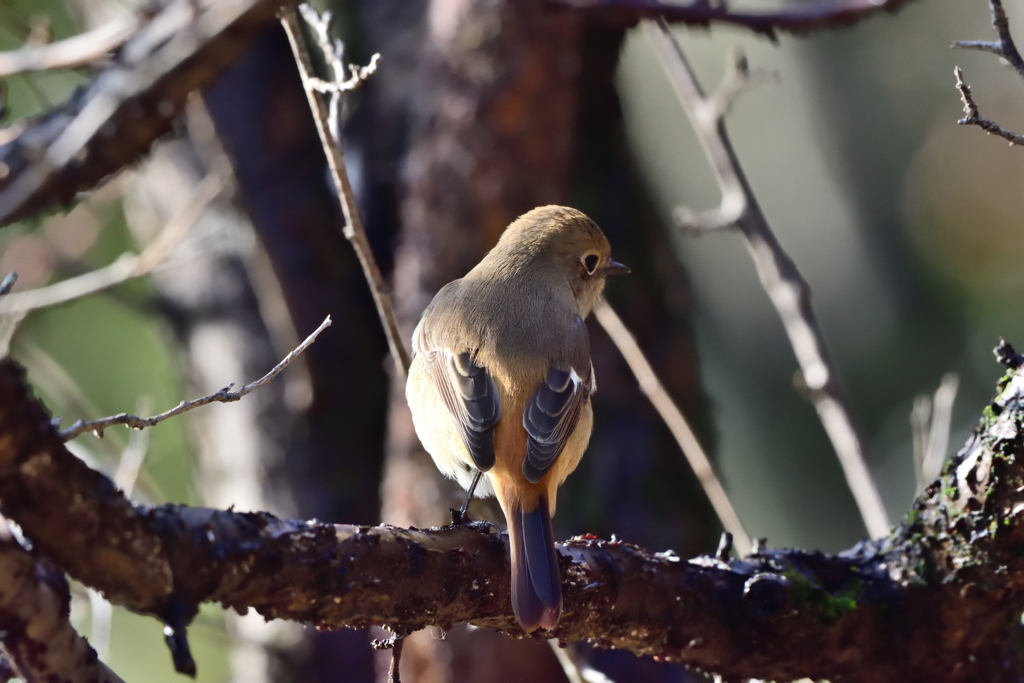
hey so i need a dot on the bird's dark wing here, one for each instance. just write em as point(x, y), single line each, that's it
point(471, 396)
point(551, 415)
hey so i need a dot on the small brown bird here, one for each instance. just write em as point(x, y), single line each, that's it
point(501, 381)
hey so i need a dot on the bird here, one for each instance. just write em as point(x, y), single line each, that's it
point(501, 381)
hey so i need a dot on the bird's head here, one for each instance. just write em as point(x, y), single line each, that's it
point(561, 244)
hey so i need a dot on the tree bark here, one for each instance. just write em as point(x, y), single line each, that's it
point(938, 600)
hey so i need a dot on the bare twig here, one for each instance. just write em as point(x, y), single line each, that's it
point(973, 118)
point(394, 674)
point(920, 421)
point(1004, 48)
point(676, 422)
point(334, 52)
point(354, 231)
point(128, 266)
point(781, 279)
point(942, 421)
point(72, 52)
point(798, 18)
point(101, 615)
point(225, 395)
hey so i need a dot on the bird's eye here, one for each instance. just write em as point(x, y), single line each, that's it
point(590, 263)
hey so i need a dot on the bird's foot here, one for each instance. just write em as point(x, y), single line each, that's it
point(484, 526)
point(459, 517)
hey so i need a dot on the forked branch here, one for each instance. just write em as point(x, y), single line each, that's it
point(1003, 48)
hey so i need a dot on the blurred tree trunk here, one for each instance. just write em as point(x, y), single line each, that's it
point(510, 106)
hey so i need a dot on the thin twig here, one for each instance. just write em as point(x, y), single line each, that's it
point(334, 52)
point(1004, 48)
point(676, 422)
point(781, 279)
point(394, 675)
point(973, 118)
point(72, 52)
point(354, 231)
point(225, 395)
point(942, 422)
point(128, 266)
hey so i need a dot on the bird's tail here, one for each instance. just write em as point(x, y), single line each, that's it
point(536, 582)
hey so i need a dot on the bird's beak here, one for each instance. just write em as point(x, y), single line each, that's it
point(615, 268)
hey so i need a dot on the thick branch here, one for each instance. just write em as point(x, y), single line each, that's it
point(798, 18)
point(952, 575)
point(110, 123)
point(786, 287)
point(34, 607)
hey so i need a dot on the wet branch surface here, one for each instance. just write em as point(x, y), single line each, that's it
point(938, 600)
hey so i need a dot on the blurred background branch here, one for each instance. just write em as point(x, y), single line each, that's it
point(134, 100)
point(83, 49)
point(676, 422)
point(128, 265)
point(803, 18)
point(787, 288)
point(930, 422)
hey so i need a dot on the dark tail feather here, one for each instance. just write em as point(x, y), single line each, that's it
point(536, 582)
